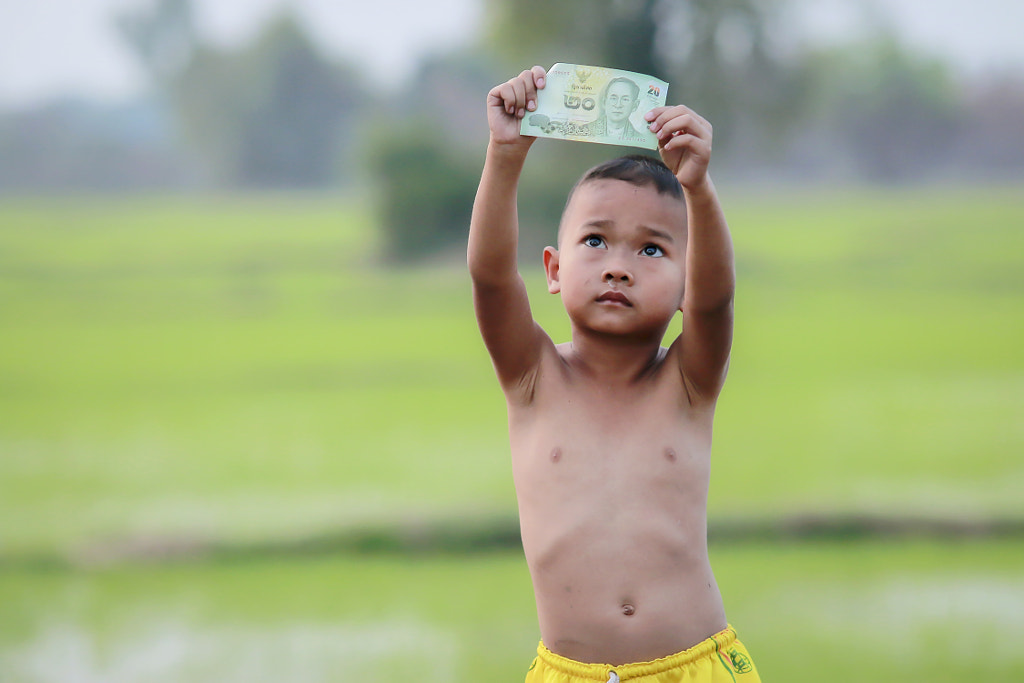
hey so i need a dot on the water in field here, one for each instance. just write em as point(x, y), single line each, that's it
point(862, 611)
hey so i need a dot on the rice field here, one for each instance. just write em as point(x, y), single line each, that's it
point(245, 370)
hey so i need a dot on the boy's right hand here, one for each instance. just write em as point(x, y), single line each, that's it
point(509, 102)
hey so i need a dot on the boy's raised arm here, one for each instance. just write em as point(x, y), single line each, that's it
point(684, 142)
point(499, 294)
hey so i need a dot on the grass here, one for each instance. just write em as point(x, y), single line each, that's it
point(242, 368)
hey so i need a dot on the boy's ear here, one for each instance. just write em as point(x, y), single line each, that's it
point(551, 269)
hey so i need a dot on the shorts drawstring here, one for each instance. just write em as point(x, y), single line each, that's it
point(613, 677)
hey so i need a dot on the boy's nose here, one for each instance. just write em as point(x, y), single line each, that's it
point(617, 274)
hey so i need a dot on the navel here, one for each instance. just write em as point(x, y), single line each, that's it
point(556, 454)
point(670, 454)
point(628, 609)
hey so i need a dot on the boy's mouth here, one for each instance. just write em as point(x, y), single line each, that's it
point(617, 298)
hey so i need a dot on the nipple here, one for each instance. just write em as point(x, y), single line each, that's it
point(628, 609)
point(556, 454)
point(670, 455)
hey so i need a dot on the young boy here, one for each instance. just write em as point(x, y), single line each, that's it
point(611, 433)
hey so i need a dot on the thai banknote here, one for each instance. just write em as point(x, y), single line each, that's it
point(594, 104)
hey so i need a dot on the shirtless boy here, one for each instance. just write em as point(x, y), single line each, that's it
point(611, 433)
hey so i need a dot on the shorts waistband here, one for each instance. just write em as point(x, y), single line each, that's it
point(599, 672)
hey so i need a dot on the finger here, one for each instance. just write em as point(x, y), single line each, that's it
point(691, 144)
point(540, 76)
point(674, 110)
point(519, 88)
point(665, 114)
point(683, 110)
point(686, 123)
point(539, 80)
point(669, 113)
point(654, 113)
point(530, 97)
point(502, 96)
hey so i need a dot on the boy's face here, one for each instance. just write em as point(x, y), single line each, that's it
point(620, 265)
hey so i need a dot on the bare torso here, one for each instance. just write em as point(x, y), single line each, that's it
point(612, 482)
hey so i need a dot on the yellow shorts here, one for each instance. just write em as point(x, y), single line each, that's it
point(719, 659)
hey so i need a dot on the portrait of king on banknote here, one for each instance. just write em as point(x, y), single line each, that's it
point(595, 104)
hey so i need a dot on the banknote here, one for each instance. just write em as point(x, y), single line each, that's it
point(595, 104)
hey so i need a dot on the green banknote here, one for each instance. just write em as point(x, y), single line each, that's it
point(594, 104)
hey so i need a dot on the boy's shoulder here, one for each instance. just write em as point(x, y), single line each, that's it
point(563, 384)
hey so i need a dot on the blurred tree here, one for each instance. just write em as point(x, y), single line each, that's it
point(424, 159)
point(426, 191)
point(162, 36)
point(275, 113)
point(715, 53)
point(896, 114)
point(272, 114)
point(427, 163)
point(78, 145)
point(991, 143)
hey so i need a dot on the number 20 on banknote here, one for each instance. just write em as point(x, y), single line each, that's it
point(595, 104)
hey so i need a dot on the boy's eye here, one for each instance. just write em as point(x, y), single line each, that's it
point(593, 241)
point(652, 250)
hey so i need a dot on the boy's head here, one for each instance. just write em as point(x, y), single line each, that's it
point(620, 261)
point(635, 169)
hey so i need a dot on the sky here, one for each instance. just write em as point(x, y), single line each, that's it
point(50, 48)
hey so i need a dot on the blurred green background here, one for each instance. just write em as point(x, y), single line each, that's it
point(248, 430)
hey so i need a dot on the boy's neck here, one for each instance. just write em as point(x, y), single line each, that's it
point(614, 358)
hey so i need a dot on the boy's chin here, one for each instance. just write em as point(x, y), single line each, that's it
point(627, 330)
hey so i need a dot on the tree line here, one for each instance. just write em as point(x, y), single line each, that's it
point(276, 113)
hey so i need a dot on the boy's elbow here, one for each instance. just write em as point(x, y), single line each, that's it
point(475, 260)
point(712, 308)
point(711, 300)
point(476, 264)
point(489, 267)
point(485, 277)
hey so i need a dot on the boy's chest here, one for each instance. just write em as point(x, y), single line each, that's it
point(580, 430)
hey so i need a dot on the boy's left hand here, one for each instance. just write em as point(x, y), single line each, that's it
point(684, 142)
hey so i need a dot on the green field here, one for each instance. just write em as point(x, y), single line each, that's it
point(245, 370)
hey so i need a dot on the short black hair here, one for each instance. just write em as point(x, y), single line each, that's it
point(636, 169)
point(639, 170)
